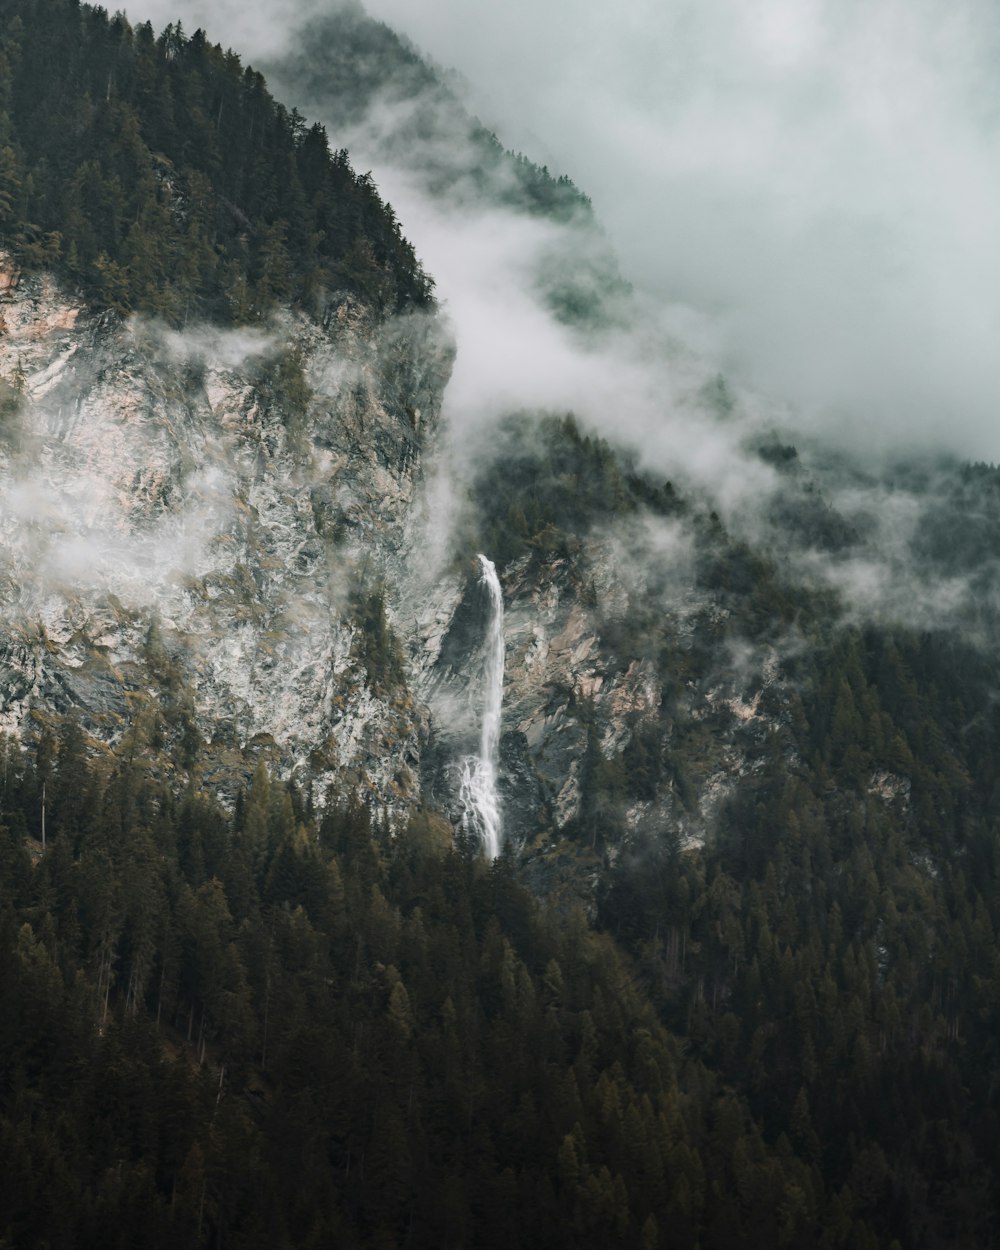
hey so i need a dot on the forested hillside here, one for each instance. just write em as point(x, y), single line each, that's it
point(268, 1030)
point(158, 173)
point(274, 1027)
point(734, 981)
point(347, 57)
point(409, 115)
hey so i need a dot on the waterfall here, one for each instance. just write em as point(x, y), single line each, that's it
point(478, 795)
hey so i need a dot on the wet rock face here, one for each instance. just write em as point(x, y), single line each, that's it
point(188, 523)
point(447, 661)
point(605, 740)
point(524, 795)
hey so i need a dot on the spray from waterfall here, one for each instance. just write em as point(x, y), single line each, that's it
point(478, 795)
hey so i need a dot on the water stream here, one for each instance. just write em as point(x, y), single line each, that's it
point(478, 794)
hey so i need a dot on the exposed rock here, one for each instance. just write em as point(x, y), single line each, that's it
point(566, 683)
point(192, 524)
point(176, 530)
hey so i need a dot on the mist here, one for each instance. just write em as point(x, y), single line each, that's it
point(820, 178)
point(252, 32)
point(801, 203)
point(816, 179)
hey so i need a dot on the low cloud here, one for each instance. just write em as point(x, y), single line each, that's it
point(640, 379)
point(253, 31)
point(216, 347)
point(802, 196)
point(819, 177)
point(65, 528)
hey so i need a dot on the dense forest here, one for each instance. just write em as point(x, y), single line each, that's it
point(266, 1027)
point(830, 954)
point(273, 1026)
point(158, 173)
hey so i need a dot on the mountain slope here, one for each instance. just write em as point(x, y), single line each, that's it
point(194, 529)
point(258, 986)
point(403, 112)
point(161, 174)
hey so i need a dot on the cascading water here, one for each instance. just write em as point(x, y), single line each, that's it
point(478, 794)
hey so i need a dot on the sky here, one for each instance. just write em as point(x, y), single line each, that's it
point(816, 181)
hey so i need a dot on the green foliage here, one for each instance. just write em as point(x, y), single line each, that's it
point(376, 645)
point(555, 483)
point(253, 1028)
point(160, 175)
point(316, 1032)
point(347, 65)
point(830, 955)
point(349, 58)
point(214, 1025)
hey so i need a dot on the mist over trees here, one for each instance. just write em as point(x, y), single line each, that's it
point(407, 114)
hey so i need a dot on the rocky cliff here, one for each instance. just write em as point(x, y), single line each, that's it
point(195, 527)
point(217, 547)
point(609, 733)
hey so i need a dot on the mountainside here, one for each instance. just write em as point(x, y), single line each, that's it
point(204, 534)
point(282, 648)
point(162, 176)
point(405, 113)
point(196, 530)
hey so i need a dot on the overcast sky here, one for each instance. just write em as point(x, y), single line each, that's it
point(821, 177)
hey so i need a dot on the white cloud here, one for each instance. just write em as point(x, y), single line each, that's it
point(251, 30)
point(803, 192)
point(821, 176)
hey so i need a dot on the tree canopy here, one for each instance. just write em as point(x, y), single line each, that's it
point(158, 173)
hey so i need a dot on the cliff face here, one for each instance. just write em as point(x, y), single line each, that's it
point(222, 546)
point(612, 729)
point(218, 546)
point(194, 527)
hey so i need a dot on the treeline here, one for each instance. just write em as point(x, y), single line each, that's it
point(347, 58)
point(270, 1029)
point(831, 955)
point(557, 483)
point(159, 174)
point(344, 64)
